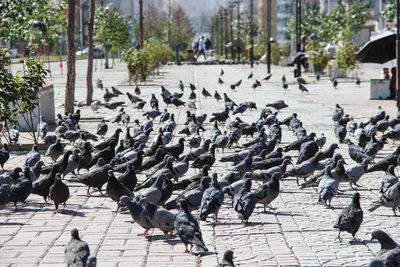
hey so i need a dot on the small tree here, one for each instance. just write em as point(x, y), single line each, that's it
point(19, 94)
point(182, 31)
point(111, 30)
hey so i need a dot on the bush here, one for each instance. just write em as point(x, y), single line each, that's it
point(142, 62)
point(346, 56)
point(322, 57)
point(276, 53)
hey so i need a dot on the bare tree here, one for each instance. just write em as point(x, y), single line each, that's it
point(71, 75)
point(89, 76)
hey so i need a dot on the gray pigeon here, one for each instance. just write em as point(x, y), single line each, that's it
point(91, 261)
point(355, 171)
point(20, 190)
point(307, 151)
point(244, 201)
point(43, 128)
point(321, 141)
point(76, 251)
point(390, 199)
point(4, 194)
point(36, 170)
point(32, 157)
point(268, 192)
point(59, 192)
point(227, 260)
point(102, 128)
point(351, 218)
point(212, 199)
point(4, 155)
point(305, 169)
point(115, 189)
point(138, 212)
point(159, 217)
point(188, 229)
point(73, 162)
point(55, 150)
point(327, 187)
point(279, 104)
point(390, 249)
point(388, 180)
point(154, 193)
point(232, 189)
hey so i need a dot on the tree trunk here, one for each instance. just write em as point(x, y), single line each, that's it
point(106, 66)
point(89, 76)
point(141, 23)
point(70, 86)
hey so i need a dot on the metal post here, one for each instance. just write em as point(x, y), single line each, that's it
point(251, 34)
point(231, 27)
point(298, 34)
point(238, 30)
point(226, 31)
point(169, 22)
point(221, 32)
point(398, 55)
point(269, 36)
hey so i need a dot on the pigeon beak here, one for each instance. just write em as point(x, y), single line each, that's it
point(344, 162)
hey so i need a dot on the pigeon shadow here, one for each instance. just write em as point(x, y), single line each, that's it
point(172, 241)
point(72, 212)
point(203, 253)
point(13, 223)
point(280, 213)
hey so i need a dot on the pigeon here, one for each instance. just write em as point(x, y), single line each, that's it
point(356, 153)
point(95, 105)
point(205, 93)
point(355, 171)
point(337, 113)
point(116, 92)
point(36, 170)
point(14, 134)
point(321, 141)
point(222, 72)
point(358, 81)
point(302, 88)
point(227, 260)
point(220, 81)
point(181, 86)
point(307, 151)
point(245, 201)
point(278, 105)
point(390, 199)
point(20, 190)
point(94, 178)
point(154, 102)
point(99, 84)
point(91, 261)
point(154, 193)
point(335, 83)
point(58, 192)
point(250, 75)
point(384, 163)
point(179, 169)
point(192, 96)
point(114, 105)
point(269, 77)
point(137, 90)
point(206, 159)
point(128, 178)
point(32, 157)
point(133, 99)
point(73, 162)
point(351, 218)
point(115, 189)
point(268, 192)
point(188, 229)
point(76, 251)
point(159, 217)
point(138, 212)
point(220, 116)
point(108, 95)
point(212, 199)
point(390, 250)
point(43, 128)
point(192, 86)
point(217, 96)
point(327, 187)
point(4, 155)
point(4, 194)
point(388, 180)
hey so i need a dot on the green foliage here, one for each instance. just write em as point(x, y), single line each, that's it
point(389, 11)
point(141, 62)
point(15, 15)
point(19, 94)
point(111, 28)
point(346, 56)
point(276, 53)
point(182, 31)
point(322, 57)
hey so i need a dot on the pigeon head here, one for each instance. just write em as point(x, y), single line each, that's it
point(91, 261)
point(75, 234)
point(336, 157)
point(181, 140)
point(356, 200)
point(100, 161)
point(40, 163)
point(5, 146)
point(124, 200)
point(76, 152)
point(58, 176)
point(275, 176)
point(384, 239)
point(4, 187)
point(214, 177)
point(248, 175)
point(35, 148)
point(313, 135)
point(183, 206)
point(286, 162)
point(119, 130)
point(334, 146)
point(391, 169)
point(110, 173)
point(228, 256)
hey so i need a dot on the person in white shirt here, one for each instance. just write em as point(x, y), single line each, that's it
point(202, 47)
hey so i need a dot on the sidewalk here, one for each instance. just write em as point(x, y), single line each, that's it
point(299, 232)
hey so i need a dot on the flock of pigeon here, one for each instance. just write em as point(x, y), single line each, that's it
point(166, 197)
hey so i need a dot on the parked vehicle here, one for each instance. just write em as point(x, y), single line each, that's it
point(97, 52)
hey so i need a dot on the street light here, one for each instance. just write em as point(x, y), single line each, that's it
point(269, 38)
point(231, 6)
point(298, 34)
point(237, 2)
point(270, 41)
point(251, 34)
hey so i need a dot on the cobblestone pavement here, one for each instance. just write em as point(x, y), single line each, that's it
point(299, 232)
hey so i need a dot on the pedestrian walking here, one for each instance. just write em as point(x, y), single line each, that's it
point(202, 47)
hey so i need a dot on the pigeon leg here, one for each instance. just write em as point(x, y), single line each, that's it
point(186, 249)
point(265, 211)
point(271, 208)
point(101, 193)
point(297, 180)
point(216, 217)
point(355, 238)
point(145, 232)
point(191, 247)
point(87, 192)
point(338, 237)
point(64, 205)
point(15, 205)
point(351, 186)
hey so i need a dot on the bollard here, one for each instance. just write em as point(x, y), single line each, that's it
point(177, 53)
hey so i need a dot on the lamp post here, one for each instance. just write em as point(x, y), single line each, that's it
point(251, 34)
point(226, 31)
point(221, 31)
point(231, 6)
point(269, 38)
point(298, 35)
point(237, 2)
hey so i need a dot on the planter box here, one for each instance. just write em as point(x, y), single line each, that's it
point(47, 110)
point(380, 89)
